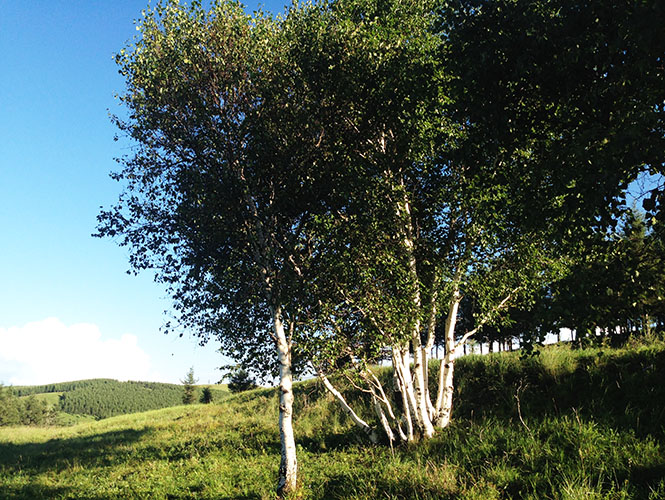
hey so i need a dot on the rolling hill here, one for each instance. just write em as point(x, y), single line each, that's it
point(103, 398)
point(563, 425)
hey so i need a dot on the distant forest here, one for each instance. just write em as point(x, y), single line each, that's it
point(100, 398)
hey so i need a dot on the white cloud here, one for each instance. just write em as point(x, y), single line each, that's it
point(49, 351)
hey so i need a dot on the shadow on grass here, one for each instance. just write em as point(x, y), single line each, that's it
point(341, 486)
point(30, 492)
point(39, 491)
point(621, 390)
point(101, 449)
point(325, 442)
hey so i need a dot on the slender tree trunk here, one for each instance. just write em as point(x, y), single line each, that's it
point(421, 392)
point(383, 419)
point(444, 399)
point(446, 381)
point(646, 325)
point(288, 467)
point(427, 349)
point(416, 389)
point(402, 377)
point(371, 433)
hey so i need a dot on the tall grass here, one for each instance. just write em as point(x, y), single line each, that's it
point(564, 425)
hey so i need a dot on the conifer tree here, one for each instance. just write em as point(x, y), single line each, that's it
point(240, 380)
point(206, 395)
point(188, 384)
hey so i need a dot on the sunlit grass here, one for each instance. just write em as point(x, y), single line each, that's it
point(567, 446)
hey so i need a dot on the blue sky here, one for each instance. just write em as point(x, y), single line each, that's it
point(68, 310)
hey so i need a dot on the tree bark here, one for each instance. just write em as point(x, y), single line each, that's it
point(371, 433)
point(444, 399)
point(427, 350)
point(405, 389)
point(421, 393)
point(417, 388)
point(288, 467)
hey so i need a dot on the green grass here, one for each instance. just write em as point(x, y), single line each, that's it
point(592, 428)
point(52, 399)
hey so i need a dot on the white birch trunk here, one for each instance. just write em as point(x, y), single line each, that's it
point(447, 389)
point(427, 349)
point(444, 399)
point(421, 393)
point(417, 389)
point(288, 467)
point(371, 433)
point(382, 398)
point(384, 421)
point(402, 378)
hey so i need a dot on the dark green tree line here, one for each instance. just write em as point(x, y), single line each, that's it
point(616, 289)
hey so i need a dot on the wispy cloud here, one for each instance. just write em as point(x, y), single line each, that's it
point(48, 351)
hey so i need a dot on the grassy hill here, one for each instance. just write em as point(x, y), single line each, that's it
point(103, 398)
point(566, 425)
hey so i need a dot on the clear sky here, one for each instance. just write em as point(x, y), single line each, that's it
point(68, 310)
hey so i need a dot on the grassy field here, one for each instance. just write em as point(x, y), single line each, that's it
point(589, 425)
point(52, 399)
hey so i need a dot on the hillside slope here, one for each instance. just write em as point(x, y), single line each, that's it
point(567, 425)
point(103, 398)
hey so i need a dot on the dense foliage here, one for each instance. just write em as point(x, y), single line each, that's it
point(206, 396)
point(28, 410)
point(327, 186)
point(26, 390)
point(613, 291)
point(107, 398)
point(240, 380)
point(616, 289)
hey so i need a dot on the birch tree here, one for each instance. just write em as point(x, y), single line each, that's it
point(425, 221)
point(468, 184)
point(221, 184)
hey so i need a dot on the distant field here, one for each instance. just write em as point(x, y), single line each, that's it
point(52, 399)
point(593, 428)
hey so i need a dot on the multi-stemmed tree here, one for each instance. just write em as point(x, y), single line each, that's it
point(324, 188)
point(424, 220)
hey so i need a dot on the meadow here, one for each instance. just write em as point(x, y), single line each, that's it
point(566, 424)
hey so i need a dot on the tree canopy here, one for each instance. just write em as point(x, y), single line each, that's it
point(324, 188)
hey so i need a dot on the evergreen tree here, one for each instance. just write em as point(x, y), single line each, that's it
point(206, 395)
point(36, 412)
point(240, 380)
point(188, 383)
